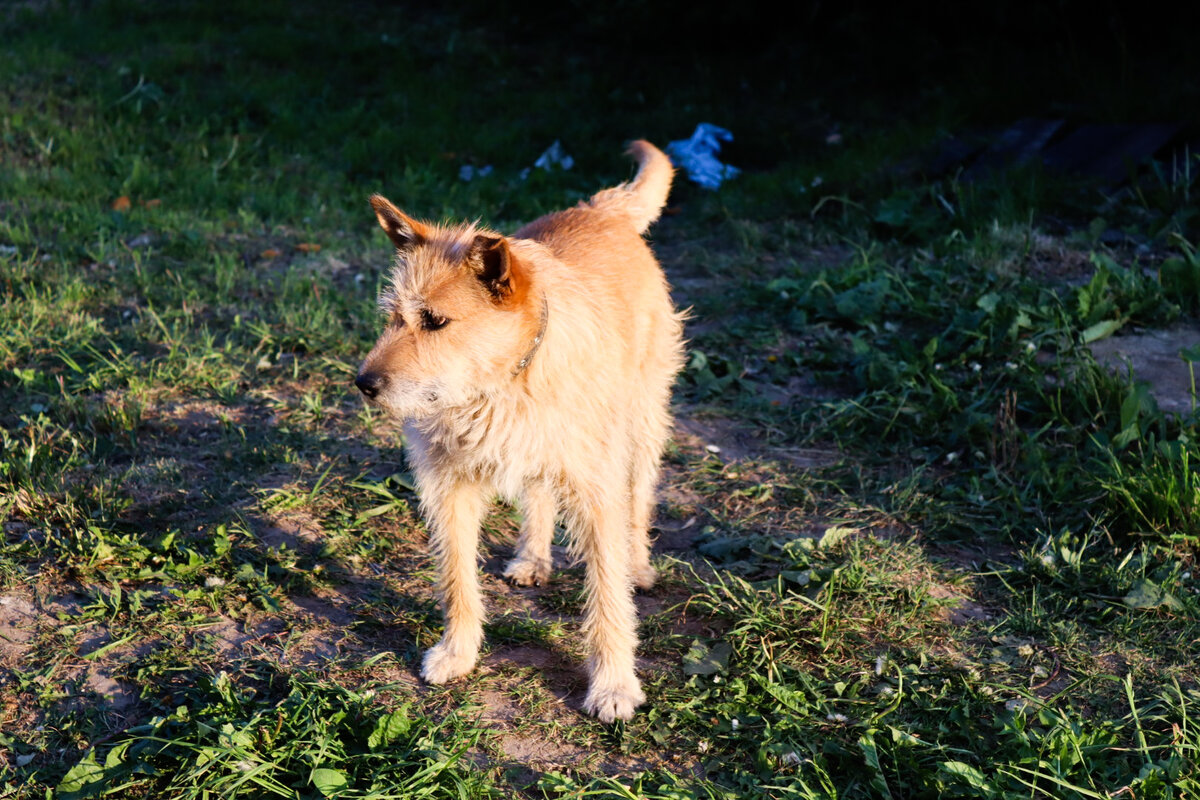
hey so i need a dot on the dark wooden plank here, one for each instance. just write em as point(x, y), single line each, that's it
point(1108, 151)
point(1017, 144)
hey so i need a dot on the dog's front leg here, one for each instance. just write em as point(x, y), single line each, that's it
point(454, 515)
point(610, 617)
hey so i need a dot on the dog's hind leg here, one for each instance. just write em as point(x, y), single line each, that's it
point(532, 563)
point(645, 478)
point(651, 428)
point(610, 617)
point(454, 513)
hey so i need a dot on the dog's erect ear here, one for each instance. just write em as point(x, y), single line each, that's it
point(497, 268)
point(403, 230)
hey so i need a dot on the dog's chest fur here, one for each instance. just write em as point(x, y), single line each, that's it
point(501, 441)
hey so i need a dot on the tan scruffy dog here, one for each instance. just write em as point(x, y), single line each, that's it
point(536, 366)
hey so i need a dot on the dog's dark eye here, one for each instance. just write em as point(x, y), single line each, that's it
point(431, 321)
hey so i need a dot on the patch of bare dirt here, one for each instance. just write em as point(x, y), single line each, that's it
point(93, 679)
point(18, 628)
point(320, 632)
point(675, 536)
point(314, 647)
point(730, 440)
point(530, 684)
point(539, 658)
point(294, 530)
point(1154, 358)
point(958, 608)
point(230, 639)
point(531, 700)
point(120, 697)
point(327, 611)
point(1046, 257)
point(536, 750)
point(198, 418)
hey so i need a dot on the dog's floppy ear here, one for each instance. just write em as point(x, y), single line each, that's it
point(403, 230)
point(497, 268)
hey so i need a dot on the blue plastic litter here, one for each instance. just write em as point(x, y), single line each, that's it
point(698, 155)
point(467, 172)
point(554, 156)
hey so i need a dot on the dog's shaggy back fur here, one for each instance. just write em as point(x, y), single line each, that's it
point(537, 366)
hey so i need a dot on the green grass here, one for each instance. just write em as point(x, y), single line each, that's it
point(941, 552)
point(317, 736)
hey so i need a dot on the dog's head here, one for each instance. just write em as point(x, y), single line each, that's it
point(458, 317)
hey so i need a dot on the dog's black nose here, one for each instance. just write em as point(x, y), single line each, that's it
point(370, 383)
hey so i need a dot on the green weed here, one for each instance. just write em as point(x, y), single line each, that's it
point(298, 737)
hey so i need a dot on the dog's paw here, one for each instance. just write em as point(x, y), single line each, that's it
point(442, 664)
point(644, 577)
point(528, 571)
point(610, 703)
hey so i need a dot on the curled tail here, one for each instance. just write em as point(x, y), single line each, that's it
point(643, 198)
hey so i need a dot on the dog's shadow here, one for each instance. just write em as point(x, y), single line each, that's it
point(370, 611)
